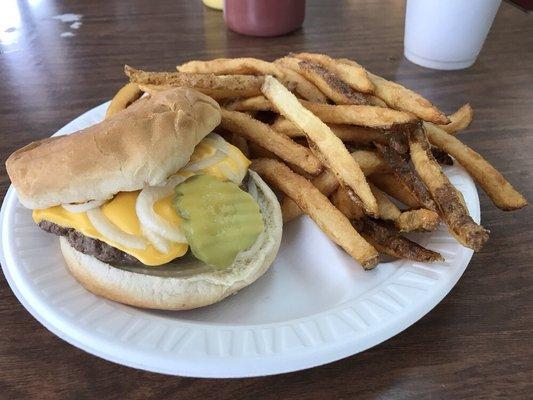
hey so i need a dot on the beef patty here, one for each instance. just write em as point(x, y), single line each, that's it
point(92, 247)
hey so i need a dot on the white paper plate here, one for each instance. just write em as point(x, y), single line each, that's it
point(314, 306)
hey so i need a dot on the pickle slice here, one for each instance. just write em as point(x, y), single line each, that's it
point(219, 219)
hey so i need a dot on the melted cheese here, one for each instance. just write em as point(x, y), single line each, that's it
point(121, 209)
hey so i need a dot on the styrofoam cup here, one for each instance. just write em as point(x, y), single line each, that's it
point(447, 34)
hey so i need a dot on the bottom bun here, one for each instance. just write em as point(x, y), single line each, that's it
point(189, 287)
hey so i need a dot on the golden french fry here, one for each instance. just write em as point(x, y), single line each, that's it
point(397, 139)
point(241, 143)
point(382, 236)
point(289, 62)
point(347, 133)
point(327, 183)
point(386, 240)
point(124, 97)
point(459, 120)
point(421, 220)
point(344, 203)
point(283, 125)
point(318, 207)
point(390, 184)
point(376, 101)
point(369, 162)
point(407, 174)
point(450, 207)
point(254, 66)
point(401, 98)
point(257, 151)
point(279, 144)
point(387, 209)
point(330, 84)
point(217, 86)
point(361, 116)
point(232, 66)
point(326, 146)
point(500, 191)
point(256, 103)
point(355, 76)
point(370, 116)
point(302, 87)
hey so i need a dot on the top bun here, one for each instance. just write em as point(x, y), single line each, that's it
point(139, 146)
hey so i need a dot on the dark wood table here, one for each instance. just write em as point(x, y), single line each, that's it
point(477, 343)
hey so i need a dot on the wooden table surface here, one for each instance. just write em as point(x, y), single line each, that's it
point(477, 343)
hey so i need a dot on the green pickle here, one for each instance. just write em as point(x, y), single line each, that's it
point(219, 219)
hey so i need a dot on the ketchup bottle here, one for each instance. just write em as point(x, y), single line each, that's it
point(264, 17)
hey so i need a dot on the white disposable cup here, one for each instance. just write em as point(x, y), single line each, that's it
point(447, 34)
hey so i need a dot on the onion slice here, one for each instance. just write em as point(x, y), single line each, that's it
point(82, 207)
point(204, 163)
point(110, 231)
point(217, 142)
point(232, 176)
point(150, 220)
point(221, 145)
point(160, 243)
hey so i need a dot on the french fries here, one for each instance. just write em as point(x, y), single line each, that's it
point(257, 151)
point(326, 183)
point(241, 143)
point(376, 101)
point(459, 120)
point(328, 147)
point(355, 76)
point(302, 87)
point(256, 103)
point(420, 220)
point(382, 236)
point(441, 156)
point(399, 139)
point(451, 208)
point(500, 191)
point(217, 86)
point(318, 207)
point(387, 241)
point(344, 203)
point(407, 174)
point(352, 134)
point(283, 125)
point(279, 144)
point(330, 84)
point(370, 116)
point(254, 66)
point(368, 161)
point(401, 98)
point(360, 115)
point(388, 211)
point(232, 66)
point(394, 187)
point(124, 97)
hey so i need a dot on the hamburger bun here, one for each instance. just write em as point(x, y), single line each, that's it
point(139, 146)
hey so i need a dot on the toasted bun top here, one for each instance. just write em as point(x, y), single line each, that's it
point(184, 287)
point(141, 145)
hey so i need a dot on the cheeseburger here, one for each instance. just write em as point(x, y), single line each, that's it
point(151, 208)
